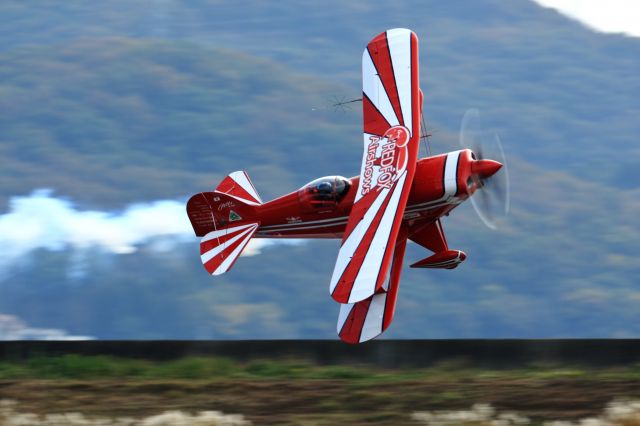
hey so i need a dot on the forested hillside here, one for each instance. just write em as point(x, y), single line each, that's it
point(145, 119)
point(113, 103)
point(564, 96)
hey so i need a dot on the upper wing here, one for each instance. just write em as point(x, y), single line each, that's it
point(391, 111)
point(364, 320)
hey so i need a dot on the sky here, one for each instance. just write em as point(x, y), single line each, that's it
point(609, 16)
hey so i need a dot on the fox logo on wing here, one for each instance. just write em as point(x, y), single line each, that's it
point(386, 158)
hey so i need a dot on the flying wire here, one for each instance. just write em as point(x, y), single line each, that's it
point(345, 104)
point(425, 136)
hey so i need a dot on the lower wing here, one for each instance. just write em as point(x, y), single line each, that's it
point(367, 319)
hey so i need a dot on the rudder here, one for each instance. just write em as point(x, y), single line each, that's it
point(239, 185)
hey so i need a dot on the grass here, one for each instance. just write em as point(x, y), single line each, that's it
point(93, 367)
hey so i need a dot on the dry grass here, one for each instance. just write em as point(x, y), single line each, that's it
point(616, 413)
point(9, 416)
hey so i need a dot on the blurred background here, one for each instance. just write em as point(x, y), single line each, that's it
point(113, 113)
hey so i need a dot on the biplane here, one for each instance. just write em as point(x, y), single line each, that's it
point(397, 197)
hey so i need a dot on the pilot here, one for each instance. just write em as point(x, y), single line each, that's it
point(327, 191)
point(325, 188)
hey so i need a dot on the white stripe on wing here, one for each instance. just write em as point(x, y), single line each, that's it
point(399, 40)
point(365, 282)
point(350, 245)
point(373, 322)
point(373, 88)
point(345, 310)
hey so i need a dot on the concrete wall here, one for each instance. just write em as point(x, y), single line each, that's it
point(383, 353)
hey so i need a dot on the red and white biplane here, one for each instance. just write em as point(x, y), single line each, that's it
point(397, 197)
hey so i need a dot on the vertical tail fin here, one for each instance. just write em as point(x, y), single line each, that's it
point(239, 185)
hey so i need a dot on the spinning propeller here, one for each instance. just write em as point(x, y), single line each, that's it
point(491, 198)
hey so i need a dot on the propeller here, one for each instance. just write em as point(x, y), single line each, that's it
point(491, 199)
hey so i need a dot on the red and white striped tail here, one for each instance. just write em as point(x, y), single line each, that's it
point(238, 185)
point(226, 218)
point(221, 248)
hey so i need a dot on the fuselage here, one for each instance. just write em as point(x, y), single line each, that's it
point(440, 184)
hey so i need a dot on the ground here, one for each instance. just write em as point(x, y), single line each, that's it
point(295, 392)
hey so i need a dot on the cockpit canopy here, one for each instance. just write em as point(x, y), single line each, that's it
point(324, 192)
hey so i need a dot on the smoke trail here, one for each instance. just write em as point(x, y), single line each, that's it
point(14, 328)
point(42, 221)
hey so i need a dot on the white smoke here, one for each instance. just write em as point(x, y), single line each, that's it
point(13, 328)
point(42, 221)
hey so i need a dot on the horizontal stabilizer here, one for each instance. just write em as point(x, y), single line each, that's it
point(219, 249)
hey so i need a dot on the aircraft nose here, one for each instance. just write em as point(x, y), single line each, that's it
point(485, 168)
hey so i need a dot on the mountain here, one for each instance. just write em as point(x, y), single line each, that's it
point(560, 94)
point(145, 119)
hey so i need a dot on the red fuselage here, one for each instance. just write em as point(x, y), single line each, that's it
point(441, 183)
